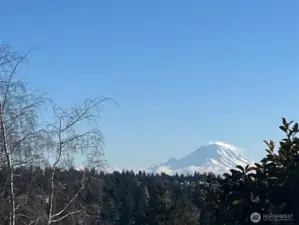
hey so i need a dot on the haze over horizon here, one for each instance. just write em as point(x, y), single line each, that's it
point(183, 73)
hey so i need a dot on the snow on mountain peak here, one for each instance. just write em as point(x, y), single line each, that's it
point(227, 146)
point(217, 157)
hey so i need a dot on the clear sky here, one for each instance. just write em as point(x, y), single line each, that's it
point(183, 72)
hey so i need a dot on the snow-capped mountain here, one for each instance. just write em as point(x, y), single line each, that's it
point(216, 157)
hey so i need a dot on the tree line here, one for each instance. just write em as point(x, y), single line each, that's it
point(116, 198)
point(39, 185)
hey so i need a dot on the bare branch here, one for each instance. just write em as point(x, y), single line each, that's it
point(15, 66)
point(65, 216)
point(72, 200)
point(24, 141)
point(18, 121)
point(34, 221)
point(68, 140)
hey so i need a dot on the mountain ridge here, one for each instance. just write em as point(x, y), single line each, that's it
point(217, 157)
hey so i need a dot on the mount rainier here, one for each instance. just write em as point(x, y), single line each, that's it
point(216, 157)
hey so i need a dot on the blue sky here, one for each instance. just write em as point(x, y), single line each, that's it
point(183, 72)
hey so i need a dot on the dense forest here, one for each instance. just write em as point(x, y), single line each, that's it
point(39, 185)
point(117, 198)
point(123, 198)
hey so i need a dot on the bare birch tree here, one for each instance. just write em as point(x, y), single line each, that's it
point(20, 133)
point(75, 132)
point(24, 142)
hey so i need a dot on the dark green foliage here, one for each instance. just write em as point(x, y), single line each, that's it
point(271, 186)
